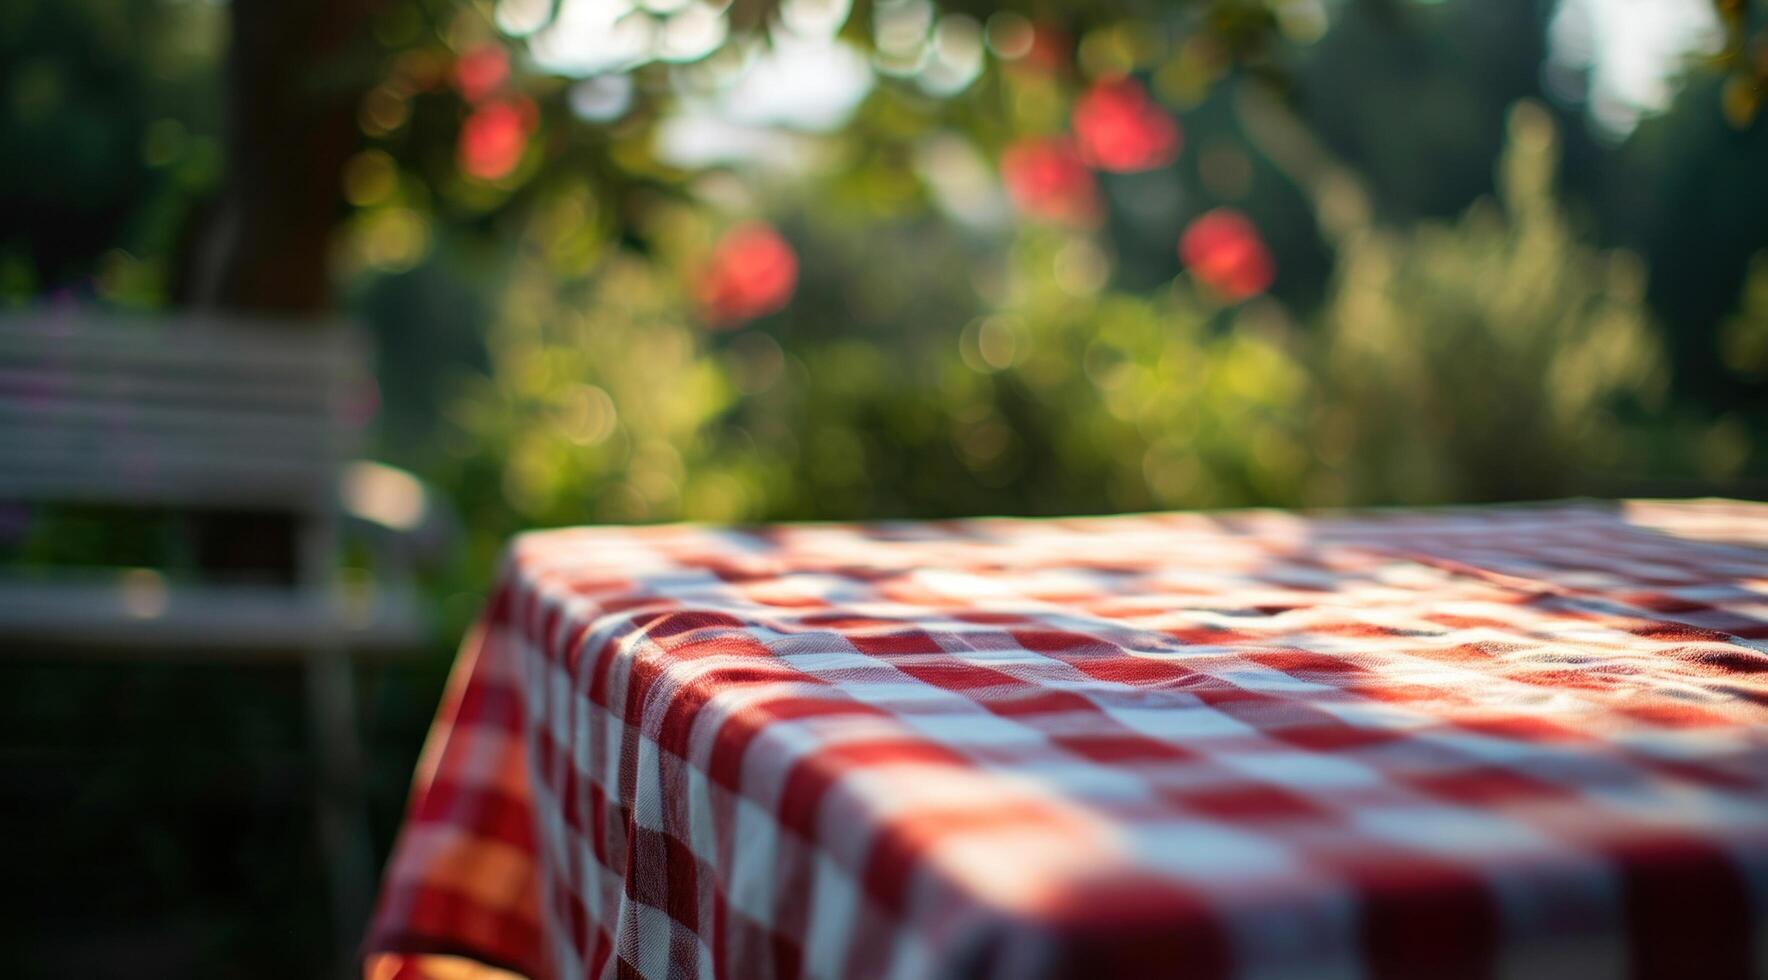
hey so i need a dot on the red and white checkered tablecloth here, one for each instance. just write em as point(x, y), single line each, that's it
point(1465, 743)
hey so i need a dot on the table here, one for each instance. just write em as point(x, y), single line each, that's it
point(1517, 741)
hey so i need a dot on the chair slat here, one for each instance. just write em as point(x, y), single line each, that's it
point(269, 485)
point(128, 616)
point(120, 419)
point(149, 345)
point(193, 389)
point(193, 411)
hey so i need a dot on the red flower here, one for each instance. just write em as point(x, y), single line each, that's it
point(1046, 179)
point(493, 138)
point(479, 72)
point(1224, 251)
point(1120, 129)
point(752, 272)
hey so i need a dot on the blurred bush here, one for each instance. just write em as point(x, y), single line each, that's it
point(1496, 358)
point(1002, 259)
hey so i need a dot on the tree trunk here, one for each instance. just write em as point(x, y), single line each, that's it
point(296, 72)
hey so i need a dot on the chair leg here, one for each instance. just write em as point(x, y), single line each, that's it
point(343, 813)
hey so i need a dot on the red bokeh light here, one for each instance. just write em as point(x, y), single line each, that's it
point(1119, 128)
point(493, 137)
point(1046, 178)
point(480, 72)
point(1224, 251)
point(752, 272)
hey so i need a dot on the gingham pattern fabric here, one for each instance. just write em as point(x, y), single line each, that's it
point(1474, 743)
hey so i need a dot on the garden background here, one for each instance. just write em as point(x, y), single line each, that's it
point(746, 261)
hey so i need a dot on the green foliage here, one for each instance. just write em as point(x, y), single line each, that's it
point(1496, 358)
point(1128, 401)
point(1743, 340)
point(108, 123)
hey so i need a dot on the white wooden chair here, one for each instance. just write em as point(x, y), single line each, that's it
point(191, 416)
